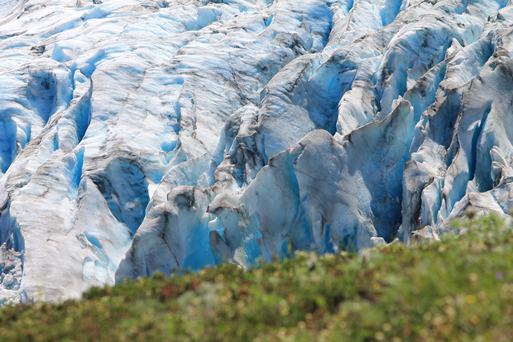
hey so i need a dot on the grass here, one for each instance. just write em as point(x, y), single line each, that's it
point(459, 289)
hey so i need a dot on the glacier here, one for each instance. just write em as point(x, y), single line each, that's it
point(144, 136)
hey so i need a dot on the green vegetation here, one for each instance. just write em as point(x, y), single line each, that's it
point(458, 289)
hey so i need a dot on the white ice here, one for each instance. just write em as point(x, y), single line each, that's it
point(139, 136)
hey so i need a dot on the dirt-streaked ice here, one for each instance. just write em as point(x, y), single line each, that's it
point(139, 136)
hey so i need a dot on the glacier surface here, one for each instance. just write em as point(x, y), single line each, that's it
point(139, 136)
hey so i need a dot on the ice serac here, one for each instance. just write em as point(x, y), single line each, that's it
point(140, 136)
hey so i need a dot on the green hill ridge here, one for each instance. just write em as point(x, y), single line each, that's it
point(460, 288)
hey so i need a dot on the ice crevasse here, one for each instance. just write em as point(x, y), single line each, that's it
point(139, 136)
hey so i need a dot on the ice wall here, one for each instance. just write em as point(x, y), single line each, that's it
point(141, 136)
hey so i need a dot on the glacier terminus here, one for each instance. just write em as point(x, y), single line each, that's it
point(141, 136)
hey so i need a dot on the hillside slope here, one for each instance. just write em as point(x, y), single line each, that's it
point(459, 289)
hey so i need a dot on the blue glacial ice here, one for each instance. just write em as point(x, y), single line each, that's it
point(140, 136)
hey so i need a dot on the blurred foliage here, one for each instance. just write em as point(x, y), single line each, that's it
point(458, 289)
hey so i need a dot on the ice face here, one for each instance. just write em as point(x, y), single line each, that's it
point(143, 136)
